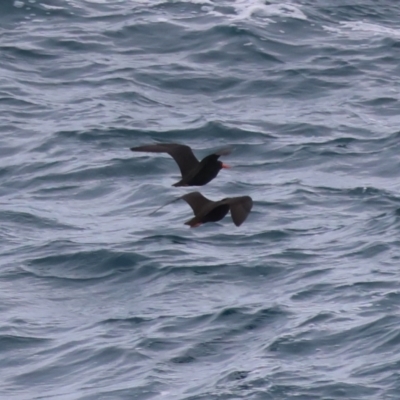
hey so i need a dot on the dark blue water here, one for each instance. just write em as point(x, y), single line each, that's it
point(100, 300)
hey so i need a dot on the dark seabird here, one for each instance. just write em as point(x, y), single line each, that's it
point(206, 210)
point(193, 171)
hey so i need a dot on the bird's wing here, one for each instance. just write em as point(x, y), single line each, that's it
point(196, 201)
point(183, 155)
point(240, 208)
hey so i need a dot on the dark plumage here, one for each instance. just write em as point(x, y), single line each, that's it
point(193, 171)
point(206, 210)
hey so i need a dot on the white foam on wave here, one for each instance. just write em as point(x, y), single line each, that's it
point(252, 9)
point(243, 9)
point(18, 4)
point(51, 7)
point(363, 30)
point(248, 8)
point(230, 11)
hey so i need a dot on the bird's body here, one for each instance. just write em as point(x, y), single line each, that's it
point(206, 210)
point(193, 171)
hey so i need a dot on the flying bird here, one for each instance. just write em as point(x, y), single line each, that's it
point(206, 210)
point(193, 171)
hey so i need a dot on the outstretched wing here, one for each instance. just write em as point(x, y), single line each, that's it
point(196, 200)
point(240, 208)
point(183, 155)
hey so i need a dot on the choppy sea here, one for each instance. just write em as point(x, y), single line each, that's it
point(99, 300)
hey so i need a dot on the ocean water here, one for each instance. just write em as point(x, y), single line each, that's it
point(99, 300)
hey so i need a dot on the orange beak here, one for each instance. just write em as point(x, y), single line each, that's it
point(226, 166)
